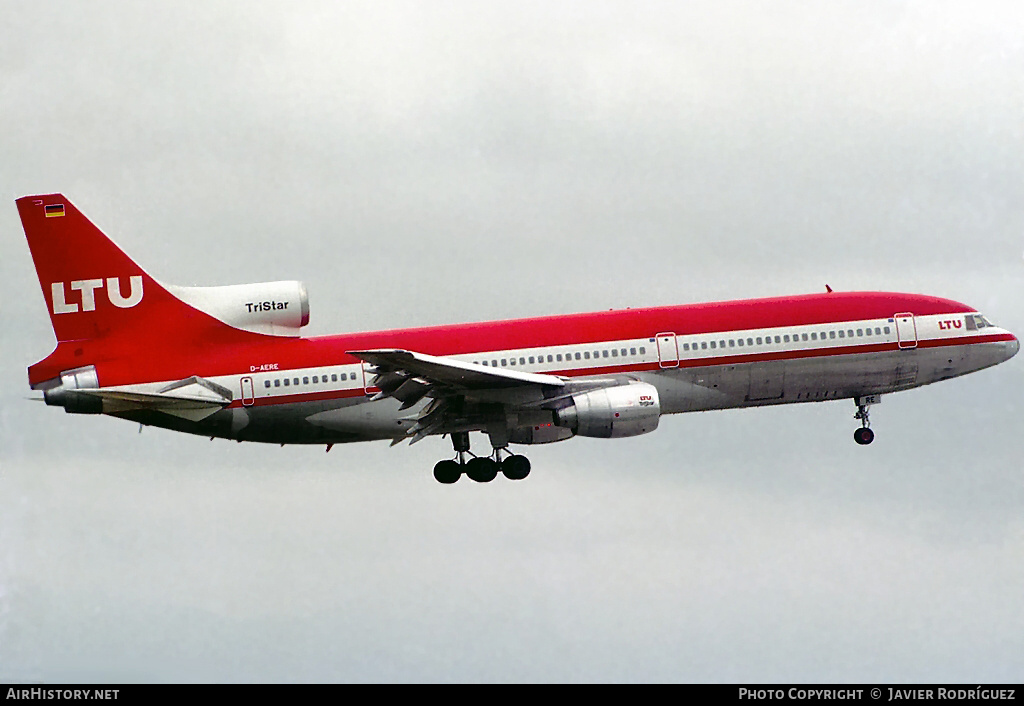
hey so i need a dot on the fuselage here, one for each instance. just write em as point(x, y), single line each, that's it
point(699, 357)
point(231, 362)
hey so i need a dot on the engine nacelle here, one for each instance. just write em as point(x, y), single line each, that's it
point(65, 391)
point(613, 412)
point(277, 308)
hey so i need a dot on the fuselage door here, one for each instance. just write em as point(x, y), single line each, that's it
point(906, 330)
point(668, 350)
point(248, 395)
point(368, 376)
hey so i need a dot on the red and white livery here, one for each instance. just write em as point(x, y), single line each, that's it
point(230, 361)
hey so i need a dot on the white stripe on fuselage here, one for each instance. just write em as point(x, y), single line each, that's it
point(576, 360)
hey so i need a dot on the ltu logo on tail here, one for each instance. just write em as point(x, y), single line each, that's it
point(88, 289)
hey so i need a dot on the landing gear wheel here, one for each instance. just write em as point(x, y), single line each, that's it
point(482, 470)
point(516, 467)
point(864, 436)
point(447, 472)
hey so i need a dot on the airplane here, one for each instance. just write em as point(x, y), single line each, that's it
point(229, 361)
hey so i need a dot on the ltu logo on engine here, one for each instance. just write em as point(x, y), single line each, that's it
point(88, 289)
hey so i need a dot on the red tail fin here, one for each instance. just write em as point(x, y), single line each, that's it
point(94, 291)
point(91, 287)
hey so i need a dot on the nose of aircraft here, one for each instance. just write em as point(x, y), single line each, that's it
point(1012, 347)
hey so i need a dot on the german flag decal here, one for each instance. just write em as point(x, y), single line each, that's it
point(54, 210)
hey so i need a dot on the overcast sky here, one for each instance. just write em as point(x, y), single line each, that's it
point(422, 163)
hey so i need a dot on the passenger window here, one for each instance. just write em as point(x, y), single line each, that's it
point(850, 333)
point(704, 345)
point(712, 344)
point(531, 359)
point(842, 334)
point(786, 338)
point(315, 379)
point(758, 340)
point(814, 335)
point(878, 332)
point(604, 354)
point(623, 352)
point(494, 363)
point(557, 357)
point(504, 362)
point(732, 343)
point(551, 358)
point(831, 334)
point(778, 339)
point(522, 361)
point(266, 383)
point(642, 350)
point(277, 383)
point(750, 341)
point(860, 332)
point(632, 351)
point(886, 329)
point(577, 356)
point(615, 352)
point(286, 382)
point(586, 354)
point(351, 376)
point(334, 377)
point(803, 336)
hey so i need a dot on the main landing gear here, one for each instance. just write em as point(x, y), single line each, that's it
point(864, 435)
point(482, 469)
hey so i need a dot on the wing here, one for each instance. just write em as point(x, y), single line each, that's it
point(409, 377)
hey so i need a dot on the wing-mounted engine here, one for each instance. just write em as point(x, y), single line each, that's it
point(612, 412)
point(276, 308)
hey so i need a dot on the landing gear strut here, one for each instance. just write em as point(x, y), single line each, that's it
point(482, 469)
point(864, 435)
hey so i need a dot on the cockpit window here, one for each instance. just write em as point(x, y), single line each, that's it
point(977, 321)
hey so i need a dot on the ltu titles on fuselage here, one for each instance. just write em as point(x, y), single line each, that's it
point(265, 306)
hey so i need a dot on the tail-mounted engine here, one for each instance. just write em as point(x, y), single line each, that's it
point(277, 308)
point(65, 391)
point(612, 412)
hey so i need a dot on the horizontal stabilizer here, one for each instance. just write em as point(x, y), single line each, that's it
point(192, 398)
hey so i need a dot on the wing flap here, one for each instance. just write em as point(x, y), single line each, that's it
point(409, 377)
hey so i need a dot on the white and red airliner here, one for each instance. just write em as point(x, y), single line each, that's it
point(229, 361)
